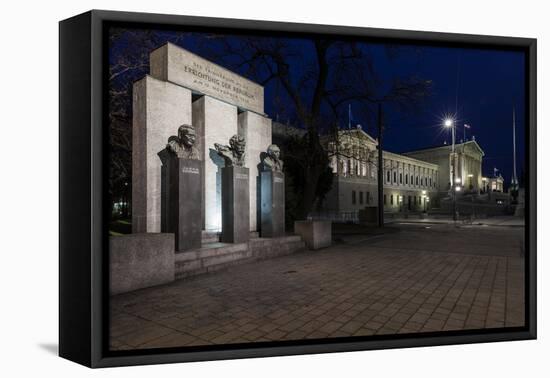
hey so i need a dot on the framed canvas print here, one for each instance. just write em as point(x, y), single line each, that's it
point(233, 188)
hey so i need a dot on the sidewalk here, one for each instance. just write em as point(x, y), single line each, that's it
point(503, 220)
point(412, 281)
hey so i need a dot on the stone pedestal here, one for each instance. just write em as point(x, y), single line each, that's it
point(235, 205)
point(316, 234)
point(182, 202)
point(272, 206)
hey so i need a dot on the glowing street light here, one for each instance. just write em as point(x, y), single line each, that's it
point(448, 122)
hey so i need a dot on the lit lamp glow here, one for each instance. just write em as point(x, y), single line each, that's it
point(448, 122)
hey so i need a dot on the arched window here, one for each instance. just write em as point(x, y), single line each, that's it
point(388, 176)
point(394, 177)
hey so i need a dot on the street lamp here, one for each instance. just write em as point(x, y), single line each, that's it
point(450, 123)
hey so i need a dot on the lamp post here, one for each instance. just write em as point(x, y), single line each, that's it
point(450, 123)
point(471, 177)
point(424, 199)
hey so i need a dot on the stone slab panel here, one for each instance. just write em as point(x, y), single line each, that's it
point(177, 65)
point(137, 261)
point(316, 234)
point(256, 129)
point(159, 108)
point(272, 206)
point(215, 122)
point(235, 205)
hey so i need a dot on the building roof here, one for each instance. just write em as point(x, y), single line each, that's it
point(447, 146)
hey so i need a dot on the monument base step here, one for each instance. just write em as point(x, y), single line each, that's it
point(209, 237)
point(216, 256)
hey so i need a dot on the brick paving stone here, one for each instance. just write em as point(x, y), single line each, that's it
point(416, 280)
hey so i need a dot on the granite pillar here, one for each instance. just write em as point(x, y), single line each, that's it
point(256, 130)
point(272, 190)
point(235, 205)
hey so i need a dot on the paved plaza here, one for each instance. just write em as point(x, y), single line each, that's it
point(420, 278)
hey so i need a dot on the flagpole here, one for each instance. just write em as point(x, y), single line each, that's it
point(514, 179)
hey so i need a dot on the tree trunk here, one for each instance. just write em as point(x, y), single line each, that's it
point(309, 194)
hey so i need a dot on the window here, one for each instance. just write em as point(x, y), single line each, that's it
point(416, 180)
point(385, 200)
point(415, 200)
point(430, 181)
point(353, 197)
point(391, 199)
point(401, 178)
point(394, 177)
point(368, 197)
point(361, 198)
point(388, 176)
point(412, 181)
point(407, 179)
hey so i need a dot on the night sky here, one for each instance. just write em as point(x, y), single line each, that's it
point(478, 87)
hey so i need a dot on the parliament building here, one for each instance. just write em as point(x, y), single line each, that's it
point(413, 181)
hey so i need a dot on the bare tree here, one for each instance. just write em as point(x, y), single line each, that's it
point(320, 77)
point(128, 61)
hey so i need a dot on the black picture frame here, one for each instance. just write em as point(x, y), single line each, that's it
point(83, 286)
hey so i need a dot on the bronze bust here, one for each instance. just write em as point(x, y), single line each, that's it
point(183, 145)
point(233, 155)
point(272, 162)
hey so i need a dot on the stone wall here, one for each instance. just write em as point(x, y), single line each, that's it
point(138, 261)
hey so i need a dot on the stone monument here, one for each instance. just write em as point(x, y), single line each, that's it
point(184, 88)
point(272, 194)
point(235, 192)
point(181, 189)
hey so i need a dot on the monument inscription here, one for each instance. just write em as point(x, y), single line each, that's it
point(177, 65)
